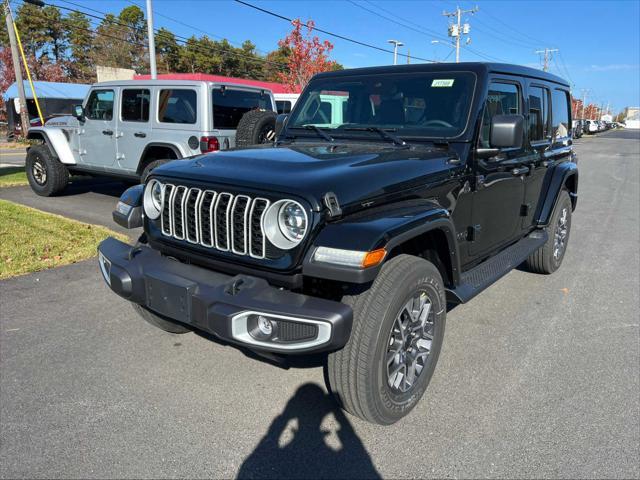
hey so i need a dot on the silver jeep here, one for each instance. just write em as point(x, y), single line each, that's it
point(126, 128)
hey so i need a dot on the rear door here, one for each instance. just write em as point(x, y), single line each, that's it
point(229, 104)
point(539, 135)
point(134, 127)
point(98, 134)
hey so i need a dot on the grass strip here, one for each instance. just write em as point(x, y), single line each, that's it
point(32, 240)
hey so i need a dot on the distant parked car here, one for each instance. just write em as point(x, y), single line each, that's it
point(592, 126)
point(285, 101)
point(576, 127)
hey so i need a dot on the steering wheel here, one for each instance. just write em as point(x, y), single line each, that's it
point(440, 123)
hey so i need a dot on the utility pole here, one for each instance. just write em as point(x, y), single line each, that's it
point(152, 41)
point(396, 44)
point(457, 29)
point(584, 100)
point(24, 113)
point(547, 52)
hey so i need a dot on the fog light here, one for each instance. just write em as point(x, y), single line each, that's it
point(265, 326)
point(261, 327)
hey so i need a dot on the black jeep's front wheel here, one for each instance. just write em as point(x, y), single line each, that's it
point(397, 333)
point(46, 175)
point(548, 258)
point(159, 321)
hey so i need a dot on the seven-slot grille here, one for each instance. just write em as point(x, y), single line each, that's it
point(213, 219)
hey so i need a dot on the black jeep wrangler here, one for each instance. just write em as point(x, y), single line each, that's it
point(390, 194)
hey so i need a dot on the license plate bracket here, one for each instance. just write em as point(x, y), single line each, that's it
point(170, 295)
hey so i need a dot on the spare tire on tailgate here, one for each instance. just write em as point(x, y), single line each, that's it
point(256, 127)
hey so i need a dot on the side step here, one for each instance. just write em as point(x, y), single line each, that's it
point(473, 281)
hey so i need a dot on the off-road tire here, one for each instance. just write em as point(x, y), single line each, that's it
point(159, 321)
point(357, 374)
point(152, 165)
point(256, 127)
point(543, 260)
point(40, 161)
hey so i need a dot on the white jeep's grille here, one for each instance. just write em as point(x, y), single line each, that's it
point(219, 220)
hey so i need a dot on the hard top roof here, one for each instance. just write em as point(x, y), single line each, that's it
point(177, 83)
point(480, 68)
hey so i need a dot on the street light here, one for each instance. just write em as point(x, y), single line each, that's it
point(396, 44)
point(439, 42)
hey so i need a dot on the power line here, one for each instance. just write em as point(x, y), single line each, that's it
point(182, 40)
point(179, 38)
point(326, 32)
point(422, 30)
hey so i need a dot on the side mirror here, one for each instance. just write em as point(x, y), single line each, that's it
point(507, 131)
point(78, 112)
point(281, 120)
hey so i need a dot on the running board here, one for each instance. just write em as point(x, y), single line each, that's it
point(474, 281)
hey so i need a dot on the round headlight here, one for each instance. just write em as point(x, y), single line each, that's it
point(292, 221)
point(153, 199)
point(285, 224)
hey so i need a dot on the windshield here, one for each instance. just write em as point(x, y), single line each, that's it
point(434, 105)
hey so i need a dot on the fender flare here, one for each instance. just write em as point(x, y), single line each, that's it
point(367, 234)
point(56, 141)
point(563, 175)
point(174, 148)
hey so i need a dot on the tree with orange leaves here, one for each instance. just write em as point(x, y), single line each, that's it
point(308, 55)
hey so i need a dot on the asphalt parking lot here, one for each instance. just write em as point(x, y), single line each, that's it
point(539, 375)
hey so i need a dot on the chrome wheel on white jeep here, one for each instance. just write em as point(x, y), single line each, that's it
point(397, 333)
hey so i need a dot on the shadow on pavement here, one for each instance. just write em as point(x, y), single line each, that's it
point(103, 186)
point(296, 445)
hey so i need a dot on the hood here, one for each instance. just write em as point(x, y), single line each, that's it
point(354, 172)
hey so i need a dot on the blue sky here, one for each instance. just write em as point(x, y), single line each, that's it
point(599, 41)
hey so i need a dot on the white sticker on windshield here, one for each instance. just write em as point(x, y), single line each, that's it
point(442, 82)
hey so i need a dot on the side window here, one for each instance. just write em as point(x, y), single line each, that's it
point(99, 105)
point(134, 106)
point(560, 109)
point(503, 99)
point(283, 106)
point(177, 106)
point(538, 113)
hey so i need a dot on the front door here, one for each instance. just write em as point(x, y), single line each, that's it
point(134, 128)
point(98, 134)
point(499, 192)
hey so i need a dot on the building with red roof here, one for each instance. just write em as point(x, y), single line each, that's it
point(273, 86)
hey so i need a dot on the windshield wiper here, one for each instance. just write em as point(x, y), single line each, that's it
point(384, 132)
point(318, 130)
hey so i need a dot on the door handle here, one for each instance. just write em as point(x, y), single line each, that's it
point(140, 134)
point(520, 171)
point(107, 132)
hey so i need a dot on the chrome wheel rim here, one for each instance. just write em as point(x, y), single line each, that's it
point(39, 172)
point(410, 342)
point(560, 236)
point(267, 135)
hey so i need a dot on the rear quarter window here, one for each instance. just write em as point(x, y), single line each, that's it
point(178, 106)
point(229, 105)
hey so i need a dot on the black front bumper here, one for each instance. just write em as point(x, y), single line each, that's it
point(213, 302)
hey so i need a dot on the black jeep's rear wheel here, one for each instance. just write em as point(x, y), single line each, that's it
point(397, 333)
point(46, 175)
point(548, 258)
point(159, 321)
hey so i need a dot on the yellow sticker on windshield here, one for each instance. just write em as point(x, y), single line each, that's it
point(442, 82)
